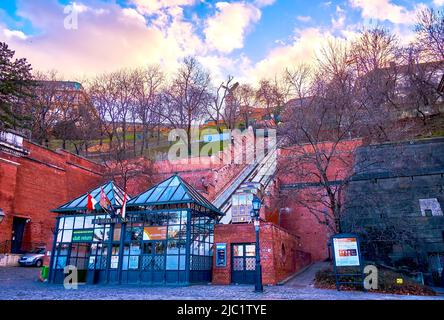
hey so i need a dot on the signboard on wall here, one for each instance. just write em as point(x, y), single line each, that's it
point(154, 233)
point(346, 251)
point(82, 235)
point(221, 254)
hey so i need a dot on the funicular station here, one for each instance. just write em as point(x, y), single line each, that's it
point(165, 236)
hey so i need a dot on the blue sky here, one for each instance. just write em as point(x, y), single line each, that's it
point(249, 39)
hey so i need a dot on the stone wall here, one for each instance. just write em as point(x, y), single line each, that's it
point(385, 196)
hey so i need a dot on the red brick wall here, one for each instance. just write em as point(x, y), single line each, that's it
point(31, 186)
point(8, 171)
point(277, 263)
point(298, 219)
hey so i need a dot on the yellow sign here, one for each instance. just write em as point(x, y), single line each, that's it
point(399, 281)
point(154, 233)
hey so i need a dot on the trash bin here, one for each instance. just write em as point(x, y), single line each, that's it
point(44, 272)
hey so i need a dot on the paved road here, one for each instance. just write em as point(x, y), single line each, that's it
point(21, 284)
point(306, 278)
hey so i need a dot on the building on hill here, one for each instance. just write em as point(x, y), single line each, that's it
point(411, 90)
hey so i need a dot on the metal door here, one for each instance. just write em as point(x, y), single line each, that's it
point(243, 263)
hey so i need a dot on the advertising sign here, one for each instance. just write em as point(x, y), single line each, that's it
point(346, 251)
point(154, 233)
point(83, 235)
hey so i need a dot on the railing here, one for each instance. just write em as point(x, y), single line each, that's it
point(262, 170)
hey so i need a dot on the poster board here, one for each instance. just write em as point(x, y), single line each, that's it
point(346, 254)
point(346, 251)
point(154, 233)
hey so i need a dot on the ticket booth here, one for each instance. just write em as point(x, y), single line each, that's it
point(166, 237)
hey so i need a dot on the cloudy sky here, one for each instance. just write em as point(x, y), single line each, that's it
point(249, 39)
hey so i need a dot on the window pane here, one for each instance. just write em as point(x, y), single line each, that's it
point(133, 262)
point(172, 263)
point(250, 250)
point(114, 262)
point(160, 247)
point(174, 218)
point(99, 234)
point(238, 250)
point(107, 232)
point(59, 235)
point(115, 250)
point(125, 263)
point(173, 232)
point(135, 249)
point(61, 262)
point(173, 247)
point(238, 264)
point(78, 224)
point(148, 248)
point(88, 222)
point(182, 262)
point(117, 232)
point(62, 223)
point(64, 249)
point(67, 236)
point(69, 223)
point(250, 264)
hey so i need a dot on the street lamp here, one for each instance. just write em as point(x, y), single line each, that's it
point(2, 215)
point(255, 215)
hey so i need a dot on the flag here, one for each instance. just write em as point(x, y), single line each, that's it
point(104, 201)
point(91, 205)
point(123, 210)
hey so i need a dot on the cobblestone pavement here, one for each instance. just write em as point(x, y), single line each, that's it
point(21, 284)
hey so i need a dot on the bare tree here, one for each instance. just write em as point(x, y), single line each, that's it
point(148, 85)
point(217, 108)
point(46, 105)
point(430, 33)
point(374, 56)
point(319, 133)
point(244, 95)
point(185, 100)
point(271, 96)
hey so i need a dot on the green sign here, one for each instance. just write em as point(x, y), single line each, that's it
point(83, 235)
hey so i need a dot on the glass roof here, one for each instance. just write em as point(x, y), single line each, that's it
point(113, 192)
point(173, 190)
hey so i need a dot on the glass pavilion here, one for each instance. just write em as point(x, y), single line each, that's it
point(166, 237)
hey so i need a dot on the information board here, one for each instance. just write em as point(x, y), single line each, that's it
point(346, 251)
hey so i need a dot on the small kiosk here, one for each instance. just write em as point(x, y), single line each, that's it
point(165, 237)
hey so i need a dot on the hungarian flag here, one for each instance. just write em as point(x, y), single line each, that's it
point(123, 210)
point(104, 201)
point(91, 205)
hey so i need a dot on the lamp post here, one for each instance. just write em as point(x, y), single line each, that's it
point(255, 215)
point(2, 215)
